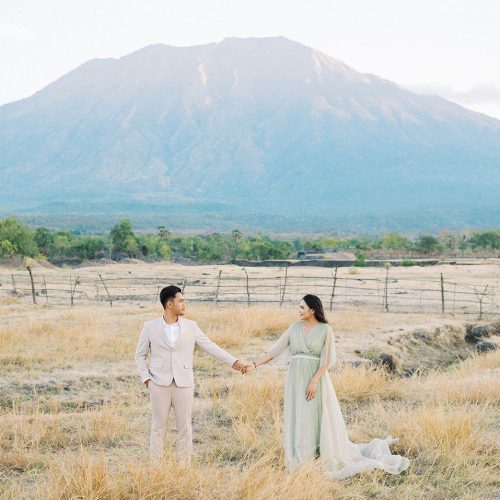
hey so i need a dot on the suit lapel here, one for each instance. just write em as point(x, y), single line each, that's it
point(182, 329)
point(161, 332)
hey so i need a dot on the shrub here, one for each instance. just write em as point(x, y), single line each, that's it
point(408, 263)
point(360, 259)
point(16, 238)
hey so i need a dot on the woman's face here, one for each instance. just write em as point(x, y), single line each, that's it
point(305, 312)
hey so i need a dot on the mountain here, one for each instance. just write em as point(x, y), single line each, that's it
point(263, 129)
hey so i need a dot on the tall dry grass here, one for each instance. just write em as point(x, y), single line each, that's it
point(475, 380)
point(237, 326)
point(39, 432)
point(364, 384)
point(91, 476)
point(74, 418)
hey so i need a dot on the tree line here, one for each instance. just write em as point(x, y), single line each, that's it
point(17, 238)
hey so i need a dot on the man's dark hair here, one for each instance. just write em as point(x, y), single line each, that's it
point(167, 293)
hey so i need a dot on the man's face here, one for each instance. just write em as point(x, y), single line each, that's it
point(177, 304)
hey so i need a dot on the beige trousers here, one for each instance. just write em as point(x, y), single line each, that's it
point(181, 400)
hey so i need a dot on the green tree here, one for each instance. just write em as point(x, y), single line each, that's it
point(487, 239)
point(259, 248)
point(211, 248)
point(163, 232)
point(236, 237)
point(463, 244)
point(360, 243)
point(62, 244)
point(263, 248)
point(282, 249)
point(124, 239)
point(331, 243)
point(132, 246)
point(7, 248)
point(16, 238)
point(164, 251)
point(86, 247)
point(449, 241)
point(312, 245)
point(182, 245)
point(360, 259)
point(427, 244)
point(44, 239)
point(153, 247)
point(394, 241)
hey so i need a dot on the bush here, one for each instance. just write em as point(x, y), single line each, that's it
point(488, 239)
point(427, 244)
point(44, 240)
point(394, 241)
point(16, 238)
point(123, 238)
point(360, 260)
point(408, 263)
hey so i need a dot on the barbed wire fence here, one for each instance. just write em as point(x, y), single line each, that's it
point(387, 293)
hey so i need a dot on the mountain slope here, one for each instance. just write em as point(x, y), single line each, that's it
point(246, 123)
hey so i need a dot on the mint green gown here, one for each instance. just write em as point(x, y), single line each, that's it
point(316, 429)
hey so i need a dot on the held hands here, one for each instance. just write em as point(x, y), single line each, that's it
point(243, 367)
point(311, 390)
point(250, 367)
point(237, 365)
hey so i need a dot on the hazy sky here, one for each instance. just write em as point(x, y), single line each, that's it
point(449, 47)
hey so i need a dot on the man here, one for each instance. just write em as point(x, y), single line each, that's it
point(170, 341)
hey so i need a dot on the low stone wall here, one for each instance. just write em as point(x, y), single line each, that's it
point(328, 263)
point(293, 263)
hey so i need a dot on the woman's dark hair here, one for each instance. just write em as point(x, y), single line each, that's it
point(167, 293)
point(316, 305)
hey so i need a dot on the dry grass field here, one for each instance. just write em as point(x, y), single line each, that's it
point(74, 417)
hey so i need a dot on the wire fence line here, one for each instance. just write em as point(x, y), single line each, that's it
point(406, 295)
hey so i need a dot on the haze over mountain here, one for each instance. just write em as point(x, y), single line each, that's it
point(266, 132)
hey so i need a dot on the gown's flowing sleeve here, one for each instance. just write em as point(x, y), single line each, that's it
point(328, 355)
point(281, 346)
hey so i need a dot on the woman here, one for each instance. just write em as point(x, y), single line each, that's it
point(314, 425)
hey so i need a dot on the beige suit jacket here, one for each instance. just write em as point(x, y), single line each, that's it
point(173, 362)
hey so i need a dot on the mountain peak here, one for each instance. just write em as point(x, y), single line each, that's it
point(262, 122)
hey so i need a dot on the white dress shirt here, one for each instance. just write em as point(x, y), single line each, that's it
point(171, 331)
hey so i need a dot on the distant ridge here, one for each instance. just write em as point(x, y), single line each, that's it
point(251, 127)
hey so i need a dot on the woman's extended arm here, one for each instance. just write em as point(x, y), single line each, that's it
point(279, 346)
point(265, 358)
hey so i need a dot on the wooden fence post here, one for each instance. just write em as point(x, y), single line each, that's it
point(442, 294)
point(157, 294)
point(73, 288)
point(183, 286)
point(45, 289)
point(385, 303)
point(284, 287)
point(107, 291)
point(217, 289)
point(248, 289)
point(333, 288)
point(14, 291)
point(480, 297)
point(32, 284)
